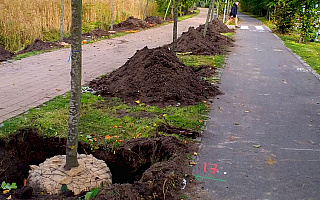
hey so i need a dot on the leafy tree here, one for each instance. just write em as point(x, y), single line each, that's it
point(285, 14)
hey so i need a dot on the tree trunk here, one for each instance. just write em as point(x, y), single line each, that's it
point(61, 20)
point(175, 26)
point(75, 92)
point(165, 15)
point(208, 17)
point(224, 11)
point(212, 12)
point(145, 10)
point(218, 9)
point(111, 14)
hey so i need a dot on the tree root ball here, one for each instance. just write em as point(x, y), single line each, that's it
point(50, 175)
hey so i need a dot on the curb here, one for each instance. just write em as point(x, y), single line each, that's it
point(300, 59)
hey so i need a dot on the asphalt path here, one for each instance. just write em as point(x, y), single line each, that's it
point(29, 82)
point(262, 140)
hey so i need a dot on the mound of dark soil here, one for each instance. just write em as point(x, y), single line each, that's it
point(94, 34)
point(131, 24)
point(141, 168)
point(218, 26)
point(39, 45)
point(155, 77)
point(4, 54)
point(193, 41)
point(155, 20)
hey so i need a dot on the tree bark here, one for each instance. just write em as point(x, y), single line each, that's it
point(145, 10)
point(208, 18)
point(212, 11)
point(111, 14)
point(75, 92)
point(175, 26)
point(61, 20)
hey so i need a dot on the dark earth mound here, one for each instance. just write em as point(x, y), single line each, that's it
point(155, 20)
point(94, 34)
point(131, 24)
point(39, 45)
point(194, 42)
point(218, 26)
point(4, 54)
point(155, 77)
point(141, 168)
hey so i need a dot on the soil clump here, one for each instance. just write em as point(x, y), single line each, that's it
point(4, 54)
point(131, 24)
point(218, 26)
point(39, 45)
point(143, 168)
point(193, 42)
point(155, 20)
point(155, 77)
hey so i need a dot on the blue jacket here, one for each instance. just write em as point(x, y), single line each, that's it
point(234, 10)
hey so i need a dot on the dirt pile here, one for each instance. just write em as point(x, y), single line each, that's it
point(39, 45)
point(4, 54)
point(131, 24)
point(194, 42)
point(218, 26)
point(139, 168)
point(155, 20)
point(155, 77)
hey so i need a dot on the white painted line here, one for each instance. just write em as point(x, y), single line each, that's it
point(244, 27)
point(260, 28)
point(294, 149)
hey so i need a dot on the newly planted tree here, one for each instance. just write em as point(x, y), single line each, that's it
point(75, 92)
point(208, 18)
point(61, 20)
point(111, 14)
point(175, 26)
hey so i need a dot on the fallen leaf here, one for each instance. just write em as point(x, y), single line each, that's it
point(201, 121)
point(164, 115)
point(115, 126)
point(92, 134)
point(246, 111)
point(256, 145)
point(138, 135)
point(236, 124)
point(270, 161)
point(107, 137)
point(204, 101)
point(207, 106)
point(131, 124)
point(119, 126)
point(9, 197)
point(119, 140)
point(95, 139)
point(6, 191)
point(154, 124)
point(50, 70)
point(232, 138)
point(137, 101)
point(186, 142)
point(195, 153)
point(192, 163)
point(58, 90)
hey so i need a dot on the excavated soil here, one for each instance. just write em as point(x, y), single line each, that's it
point(193, 42)
point(155, 77)
point(131, 24)
point(4, 54)
point(155, 20)
point(141, 168)
point(94, 34)
point(218, 26)
point(39, 45)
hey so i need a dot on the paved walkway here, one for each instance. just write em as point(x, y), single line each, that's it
point(32, 81)
point(262, 140)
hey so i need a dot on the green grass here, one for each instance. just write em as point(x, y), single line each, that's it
point(24, 55)
point(196, 12)
point(195, 60)
point(112, 118)
point(230, 34)
point(308, 51)
point(99, 117)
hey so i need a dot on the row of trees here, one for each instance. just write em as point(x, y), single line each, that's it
point(302, 15)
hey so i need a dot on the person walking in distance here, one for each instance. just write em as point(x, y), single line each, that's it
point(233, 14)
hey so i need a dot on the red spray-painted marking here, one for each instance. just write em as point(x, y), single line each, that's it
point(214, 169)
